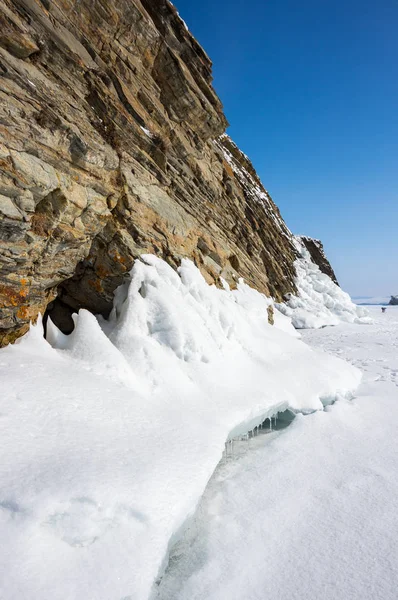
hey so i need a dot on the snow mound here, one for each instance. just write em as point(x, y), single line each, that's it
point(320, 302)
point(109, 436)
point(294, 516)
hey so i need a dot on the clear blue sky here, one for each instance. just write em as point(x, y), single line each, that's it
point(310, 89)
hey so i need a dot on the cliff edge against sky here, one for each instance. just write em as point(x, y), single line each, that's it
point(112, 144)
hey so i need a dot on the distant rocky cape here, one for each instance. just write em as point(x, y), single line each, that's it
point(393, 301)
point(112, 144)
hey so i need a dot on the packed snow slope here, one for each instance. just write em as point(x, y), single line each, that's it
point(310, 512)
point(109, 436)
point(319, 301)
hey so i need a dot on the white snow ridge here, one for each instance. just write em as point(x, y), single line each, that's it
point(319, 302)
point(109, 436)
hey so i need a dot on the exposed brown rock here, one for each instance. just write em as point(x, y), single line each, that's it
point(317, 253)
point(111, 145)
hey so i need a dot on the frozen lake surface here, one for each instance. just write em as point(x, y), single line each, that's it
point(308, 512)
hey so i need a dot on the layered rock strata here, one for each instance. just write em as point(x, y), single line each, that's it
point(112, 144)
point(318, 256)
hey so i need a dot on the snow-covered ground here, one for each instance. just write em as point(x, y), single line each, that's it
point(370, 300)
point(310, 512)
point(108, 437)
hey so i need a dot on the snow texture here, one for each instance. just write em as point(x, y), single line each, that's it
point(108, 437)
point(319, 301)
point(306, 513)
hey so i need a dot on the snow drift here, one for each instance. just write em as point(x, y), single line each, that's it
point(319, 301)
point(109, 436)
point(294, 517)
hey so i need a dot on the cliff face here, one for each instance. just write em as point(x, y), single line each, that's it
point(318, 256)
point(112, 144)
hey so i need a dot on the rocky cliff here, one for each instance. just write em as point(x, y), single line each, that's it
point(112, 144)
point(318, 256)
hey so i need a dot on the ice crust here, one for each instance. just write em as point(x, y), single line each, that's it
point(109, 436)
point(308, 512)
point(319, 301)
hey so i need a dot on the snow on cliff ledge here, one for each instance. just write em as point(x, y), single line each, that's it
point(319, 302)
point(109, 436)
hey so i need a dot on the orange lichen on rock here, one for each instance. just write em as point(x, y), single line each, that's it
point(13, 296)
